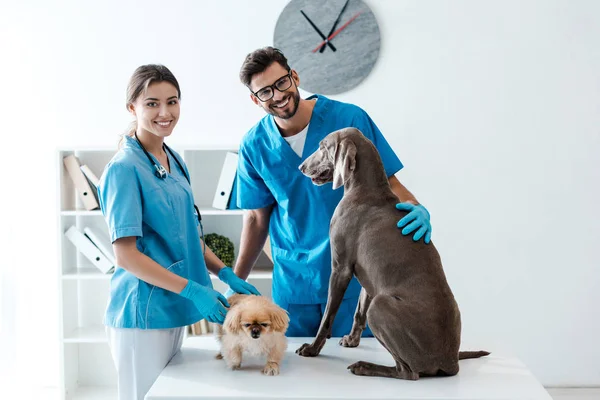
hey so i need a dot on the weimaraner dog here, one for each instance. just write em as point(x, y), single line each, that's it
point(405, 297)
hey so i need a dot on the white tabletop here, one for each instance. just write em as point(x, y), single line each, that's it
point(194, 373)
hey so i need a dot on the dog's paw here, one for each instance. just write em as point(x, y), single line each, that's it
point(235, 367)
point(271, 369)
point(350, 341)
point(360, 368)
point(308, 350)
point(219, 356)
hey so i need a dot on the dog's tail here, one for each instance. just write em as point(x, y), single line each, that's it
point(463, 355)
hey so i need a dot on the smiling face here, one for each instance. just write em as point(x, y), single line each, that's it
point(156, 110)
point(284, 87)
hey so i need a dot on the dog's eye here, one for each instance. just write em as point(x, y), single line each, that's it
point(265, 325)
point(247, 325)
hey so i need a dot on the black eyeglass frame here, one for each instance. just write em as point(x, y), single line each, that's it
point(273, 87)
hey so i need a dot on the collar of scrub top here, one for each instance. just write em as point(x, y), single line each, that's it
point(161, 173)
point(316, 122)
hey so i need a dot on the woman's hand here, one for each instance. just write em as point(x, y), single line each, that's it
point(208, 301)
point(237, 284)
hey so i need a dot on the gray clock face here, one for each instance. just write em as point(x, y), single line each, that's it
point(356, 45)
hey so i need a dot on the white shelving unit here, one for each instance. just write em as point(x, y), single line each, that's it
point(87, 370)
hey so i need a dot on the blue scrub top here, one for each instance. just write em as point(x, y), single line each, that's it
point(160, 213)
point(299, 226)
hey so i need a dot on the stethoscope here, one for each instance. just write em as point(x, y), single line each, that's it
point(161, 173)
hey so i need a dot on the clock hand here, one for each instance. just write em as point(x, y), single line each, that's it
point(326, 41)
point(337, 20)
point(318, 31)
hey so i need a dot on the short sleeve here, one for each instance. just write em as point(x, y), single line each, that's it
point(365, 124)
point(252, 192)
point(121, 201)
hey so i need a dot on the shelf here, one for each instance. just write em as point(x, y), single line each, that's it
point(203, 211)
point(86, 273)
point(256, 274)
point(94, 393)
point(90, 334)
point(214, 211)
point(79, 213)
point(261, 274)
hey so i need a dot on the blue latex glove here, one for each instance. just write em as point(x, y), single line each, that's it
point(416, 219)
point(235, 283)
point(230, 292)
point(208, 301)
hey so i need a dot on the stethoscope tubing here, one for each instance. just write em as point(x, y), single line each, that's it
point(161, 173)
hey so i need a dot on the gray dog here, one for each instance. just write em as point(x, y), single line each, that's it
point(405, 297)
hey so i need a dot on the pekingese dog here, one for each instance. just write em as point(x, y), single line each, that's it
point(254, 325)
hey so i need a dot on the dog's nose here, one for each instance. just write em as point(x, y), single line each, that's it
point(255, 334)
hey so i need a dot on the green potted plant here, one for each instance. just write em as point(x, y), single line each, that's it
point(221, 246)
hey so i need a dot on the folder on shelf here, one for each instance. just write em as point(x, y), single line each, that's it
point(226, 182)
point(204, 327)
point(267, 248)
point(108, 253)
point(87, 196)
point(89, 250)
point(92, 180)
point(232, 204)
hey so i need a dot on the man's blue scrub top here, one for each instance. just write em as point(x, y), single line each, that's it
point(160, 213)
point(299, 226)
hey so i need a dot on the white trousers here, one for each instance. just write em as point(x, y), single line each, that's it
point(140, 355)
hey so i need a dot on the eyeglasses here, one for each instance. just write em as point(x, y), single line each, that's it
point(282, 84)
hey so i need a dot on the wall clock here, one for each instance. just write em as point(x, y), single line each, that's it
point(337, 65)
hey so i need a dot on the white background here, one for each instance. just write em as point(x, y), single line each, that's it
point(494, 108)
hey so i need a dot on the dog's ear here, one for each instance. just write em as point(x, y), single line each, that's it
point(235, 299)
point(279, 319)
point(233, 320)
point(344, 162)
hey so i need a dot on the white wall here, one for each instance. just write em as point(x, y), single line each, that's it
point(494, 107)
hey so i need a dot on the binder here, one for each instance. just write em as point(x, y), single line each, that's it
point(87, 248)
point(226, 180)
point(232, 204)
point(92, 180)
point(81, 184)
point(96, 241)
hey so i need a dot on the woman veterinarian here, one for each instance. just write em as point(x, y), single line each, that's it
point(161, 281)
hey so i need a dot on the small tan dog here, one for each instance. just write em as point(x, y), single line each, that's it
point(254, 325)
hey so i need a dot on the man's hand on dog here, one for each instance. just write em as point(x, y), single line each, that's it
point(417, 219)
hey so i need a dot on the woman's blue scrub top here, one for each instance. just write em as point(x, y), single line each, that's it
point(299, 226)
point(160, 213)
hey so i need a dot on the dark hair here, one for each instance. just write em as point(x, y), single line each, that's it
point(143, 77)
point(259, 60)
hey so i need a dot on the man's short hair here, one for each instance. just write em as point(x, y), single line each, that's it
point(259, 60)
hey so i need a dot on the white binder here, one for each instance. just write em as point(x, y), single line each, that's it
point(225, 185)
point(96, 240)
point(92, 178)
point(81, 184)
point(87, 248)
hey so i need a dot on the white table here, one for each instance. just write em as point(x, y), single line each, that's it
point(194, 373)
